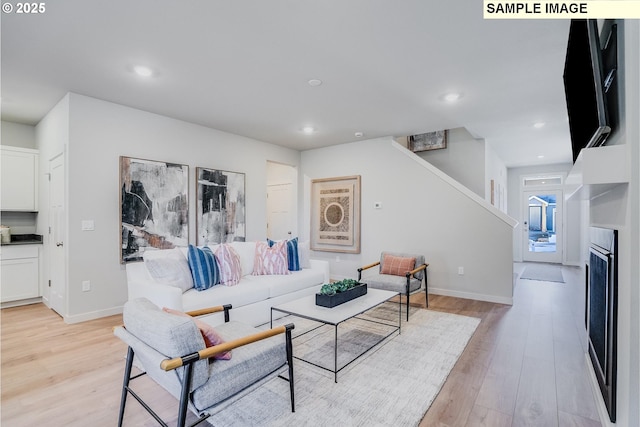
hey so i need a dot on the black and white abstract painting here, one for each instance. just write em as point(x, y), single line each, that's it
point(220, 207)
point(335, 214)
point(154, 206)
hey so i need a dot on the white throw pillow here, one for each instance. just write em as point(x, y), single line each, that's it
point(303, 254)
point(247, 252)
point(169, 267)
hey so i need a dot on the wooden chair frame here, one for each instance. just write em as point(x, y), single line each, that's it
point(188, 360)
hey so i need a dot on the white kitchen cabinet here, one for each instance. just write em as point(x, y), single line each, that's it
point(19, 179)
point(19, 267)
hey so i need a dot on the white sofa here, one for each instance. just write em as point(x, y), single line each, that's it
point(252, 298)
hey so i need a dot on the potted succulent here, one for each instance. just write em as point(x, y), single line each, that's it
point(336, 293)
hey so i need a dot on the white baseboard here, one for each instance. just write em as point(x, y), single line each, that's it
point(92, 315)
point(21, 302)
point(471, 295)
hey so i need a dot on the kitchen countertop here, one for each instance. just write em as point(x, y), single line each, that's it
point(24, 239)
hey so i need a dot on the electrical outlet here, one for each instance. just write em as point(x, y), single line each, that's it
point(86, 286)
point(461, 271)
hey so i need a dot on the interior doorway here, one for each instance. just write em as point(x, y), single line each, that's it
point(282, 201)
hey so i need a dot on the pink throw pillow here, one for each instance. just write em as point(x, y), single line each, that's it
point(271, 260)
point(229, 262)
point(209, 334)
point(397, 266)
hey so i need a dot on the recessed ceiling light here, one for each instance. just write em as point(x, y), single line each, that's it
point(452, 96)
point(143, 71)
point(541, 156)
point(359, 134)
point(314, 82)
point(538, 125)
point(308, 130)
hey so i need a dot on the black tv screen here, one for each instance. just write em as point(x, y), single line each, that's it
point(583, 83)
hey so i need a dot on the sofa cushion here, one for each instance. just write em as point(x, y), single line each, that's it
point(390, 282)
point(204, 267)
point(229, 261)
point(397, 266)
point(244, 293)
point(172, 336)
point(271, 260)
point(169, 267)
point(249, 363)
point(281, 285)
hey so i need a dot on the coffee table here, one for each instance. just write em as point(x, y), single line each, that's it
point(306, 308)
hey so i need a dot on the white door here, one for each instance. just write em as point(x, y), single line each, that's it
point(280, 215)
point(542, 226)
point(57, 236)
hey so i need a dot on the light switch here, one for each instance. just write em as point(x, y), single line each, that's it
point(87, 225)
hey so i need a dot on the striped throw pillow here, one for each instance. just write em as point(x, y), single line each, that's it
point(204, 267)
point(293, 259)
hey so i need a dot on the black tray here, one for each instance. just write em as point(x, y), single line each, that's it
point(341, 297)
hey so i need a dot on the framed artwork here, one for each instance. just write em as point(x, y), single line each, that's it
point(154, 206)
point(335, 214)
point(428, 141)
point(220, 207)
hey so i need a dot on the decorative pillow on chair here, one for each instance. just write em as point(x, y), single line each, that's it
point(208, 332)
point(230, 267)
point(271, 260)
point(169, 267)
point(293, 260)
point(303, 254)
point(397, 266)
point(204, 267)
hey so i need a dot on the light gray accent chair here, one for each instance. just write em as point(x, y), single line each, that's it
point(171, 350)
point(410, 283)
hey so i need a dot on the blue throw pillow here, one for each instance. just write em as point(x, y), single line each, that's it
point(204, 267)
point(292, 253)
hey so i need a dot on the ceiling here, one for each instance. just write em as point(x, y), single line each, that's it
point(243, 67)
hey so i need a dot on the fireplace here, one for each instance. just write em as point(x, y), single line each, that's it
point(601, 311)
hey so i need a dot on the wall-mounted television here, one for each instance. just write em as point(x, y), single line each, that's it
point(584, 87)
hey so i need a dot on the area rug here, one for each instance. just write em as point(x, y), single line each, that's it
point(543, 272)
point(393, 384)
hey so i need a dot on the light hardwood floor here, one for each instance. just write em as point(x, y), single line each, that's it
point(524, 366)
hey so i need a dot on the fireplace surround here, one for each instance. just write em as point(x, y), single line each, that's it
point(602, 311)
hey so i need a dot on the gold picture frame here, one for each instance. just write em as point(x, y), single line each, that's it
point(335, 214)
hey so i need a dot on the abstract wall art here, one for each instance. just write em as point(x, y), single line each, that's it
point(220, 206)
point(335, 214)
point(154, 206)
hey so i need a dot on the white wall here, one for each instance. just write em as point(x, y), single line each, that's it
point(423, 211)
point(18, 135)
point(463, 160)
point(100, 132)
point(495, 171)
